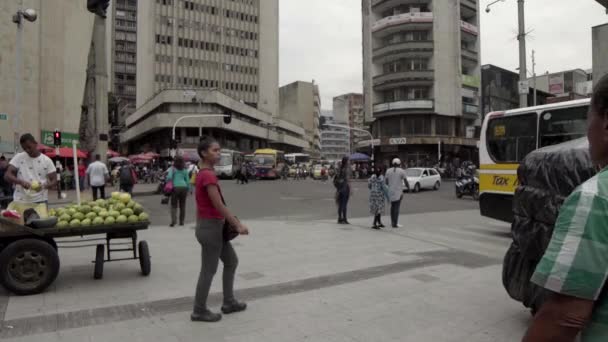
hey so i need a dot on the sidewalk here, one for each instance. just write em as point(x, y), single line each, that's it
point(304, 281)
point(86, 195)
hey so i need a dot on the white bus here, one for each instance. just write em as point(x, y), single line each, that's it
point(230, 162)
point(507, 137)
point(297, 158)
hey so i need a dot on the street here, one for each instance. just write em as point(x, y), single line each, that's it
point(305, 277)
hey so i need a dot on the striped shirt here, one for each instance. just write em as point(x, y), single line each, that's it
point(576, 260)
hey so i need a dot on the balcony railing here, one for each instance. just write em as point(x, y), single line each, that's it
point(403, 105)
point(404, 76)
point(403, 46)
point(400, 19)
point(471, 81)
point(470, 109)
point(469, 28)
point(470, 54)
point(469, 3)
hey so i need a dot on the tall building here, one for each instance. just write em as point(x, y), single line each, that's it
point(348, 109)
point(55, 51)
point(421, 77)
point(197, 57)
point(564, 85)
point(300, 103)
point(600, 49)
point(334, 142)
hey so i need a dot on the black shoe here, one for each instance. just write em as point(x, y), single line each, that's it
point(375, 227)
point(172, 225)
point(206, 316)
point(340, 221)
point(181, 224)
point(345, 222)
point(381, 225)
point(233, 307)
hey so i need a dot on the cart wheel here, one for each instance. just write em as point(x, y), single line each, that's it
point(99, 259)
point(28, 266)
point(144, 258)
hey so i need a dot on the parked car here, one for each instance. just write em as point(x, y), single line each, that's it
point(423, 178)
point(319, 172)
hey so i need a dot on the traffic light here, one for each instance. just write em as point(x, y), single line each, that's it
point(227, 117)
point(98, 7)
point(57, 138)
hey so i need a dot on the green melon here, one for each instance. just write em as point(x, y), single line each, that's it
point(98, 221)
point(133, 219)
point(75, 223)
point(127, 212)
point(79, 216)
point(65, 217)
point(144, 217)
point(109, 220)
point(86, 222)
point(121, 219)
point(138, 209)
point(103, 214)
point(91, 215)
point(62, 224)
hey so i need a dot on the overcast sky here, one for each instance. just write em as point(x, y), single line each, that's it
point(321, 39)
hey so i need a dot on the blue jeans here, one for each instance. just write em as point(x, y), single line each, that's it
point(343, 197)
point(395, 206)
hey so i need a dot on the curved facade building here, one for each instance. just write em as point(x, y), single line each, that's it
point(421, 73)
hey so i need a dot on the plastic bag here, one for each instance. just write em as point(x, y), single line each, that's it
point(546, 176)
point(21, 207)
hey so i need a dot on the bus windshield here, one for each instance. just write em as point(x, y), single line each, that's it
point(225, 159)
point(511, 138)
point(561, 125)
point(264, 160)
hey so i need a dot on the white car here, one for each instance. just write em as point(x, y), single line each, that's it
point(422, 178)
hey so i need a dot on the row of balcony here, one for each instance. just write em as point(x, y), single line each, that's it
point(417, 18)
point(420, 104)
point(469, 3)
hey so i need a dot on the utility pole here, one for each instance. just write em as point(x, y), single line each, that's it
point(534, 74)
point(523, 98)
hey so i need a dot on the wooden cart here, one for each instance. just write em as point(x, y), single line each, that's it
point(29, 261)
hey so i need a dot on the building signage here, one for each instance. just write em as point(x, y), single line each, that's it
point(397, 141)
point(66, 138)
point(556, 84)
point(3, 116)
point(524, 87)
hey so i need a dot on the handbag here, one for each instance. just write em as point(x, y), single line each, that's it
point(169, 187)
point(229, 231)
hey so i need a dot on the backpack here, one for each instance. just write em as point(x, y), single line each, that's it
point(125, 175)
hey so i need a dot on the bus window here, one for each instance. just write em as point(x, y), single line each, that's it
point(561, 125)
point(511, 138)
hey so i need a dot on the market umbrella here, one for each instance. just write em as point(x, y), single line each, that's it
point(112, 154)
point(359, 157)
point(118, 159)
point(66, 152)
point(152, 155)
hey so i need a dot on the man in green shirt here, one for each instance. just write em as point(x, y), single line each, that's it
point(575, 265)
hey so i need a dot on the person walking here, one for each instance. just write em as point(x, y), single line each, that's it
point(82, 172)
point(127, 177)
point(178, 174)
point(378, 194)
point(342, 185)
point(243, 174)
point(98, 177)
point(395, 178)
point(212, 215)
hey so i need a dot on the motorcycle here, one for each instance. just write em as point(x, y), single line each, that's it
point(467, 185)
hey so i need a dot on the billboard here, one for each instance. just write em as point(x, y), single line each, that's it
point(556, 84)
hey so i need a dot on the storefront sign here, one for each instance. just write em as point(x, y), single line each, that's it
point(397, 141)
point(66, 138)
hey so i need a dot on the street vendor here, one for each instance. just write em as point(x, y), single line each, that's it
point(32, 172)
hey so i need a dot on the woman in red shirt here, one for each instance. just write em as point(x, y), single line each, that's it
point(82, 172)
point(211, 215)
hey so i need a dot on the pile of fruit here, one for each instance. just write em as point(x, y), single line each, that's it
point(119, 209)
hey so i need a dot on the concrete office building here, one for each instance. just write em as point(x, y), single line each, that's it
point(300, 103)
point(54, 62)
point(600, 50)
point(564, 85)
point(421, 77)
point(348, 109)
point(334, 142)
point(208, 57)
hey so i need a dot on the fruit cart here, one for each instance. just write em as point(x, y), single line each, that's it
point(29, 261)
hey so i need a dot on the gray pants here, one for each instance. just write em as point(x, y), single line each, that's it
point(395, 206)
point(178, 198)
point(209, 235)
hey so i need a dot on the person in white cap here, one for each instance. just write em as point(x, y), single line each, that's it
point(395, 178)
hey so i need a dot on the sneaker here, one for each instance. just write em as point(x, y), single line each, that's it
point(233, 307)
point(172, 225)
point(375, 227)
point(398, 226)
point(381, 225)
point(206, 316)
point(345, 222)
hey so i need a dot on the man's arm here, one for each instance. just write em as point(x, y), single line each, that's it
point(560, 319)
point(11, 177)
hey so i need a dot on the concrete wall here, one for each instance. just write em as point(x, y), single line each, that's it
point(55, 50)
point(146, 20)
point(297, 105)
point(269, 56)
point(367, 61)
point(446, 58)
point(600, 51)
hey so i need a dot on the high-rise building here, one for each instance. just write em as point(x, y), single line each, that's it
point(421, 77)
point(348, 109)
point(208, 57)
point(122, 69)
point(300, 103)
point(334, 142)
point(53, 70)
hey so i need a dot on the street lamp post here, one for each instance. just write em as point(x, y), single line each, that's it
point(31, 16)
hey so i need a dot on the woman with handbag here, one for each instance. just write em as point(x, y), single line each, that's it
point(378, 195)
point(215, 227)
point(342, 185)
point(178, 185)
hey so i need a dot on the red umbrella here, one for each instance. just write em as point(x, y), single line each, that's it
point(43, 148)
point(112, 154)
point(152, 155)
point(140, 158)
point(66, 152)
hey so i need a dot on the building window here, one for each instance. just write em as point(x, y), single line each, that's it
point(443, 126)
point(418, 125)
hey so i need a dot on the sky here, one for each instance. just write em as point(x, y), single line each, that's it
point(320, 40)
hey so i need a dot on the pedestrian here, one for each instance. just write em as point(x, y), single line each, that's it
point(98, 177)
point(5, 187)
point(127, 178)
point(243, 174)
point(342, 185)
point(212, 215)
point(378, 195)
point(396, 178)
point(82, 172)
point(178, 174)
point(573, 268)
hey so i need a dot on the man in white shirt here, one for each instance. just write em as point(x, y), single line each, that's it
point(395, 177)
point(32, 172)
point(98, 176)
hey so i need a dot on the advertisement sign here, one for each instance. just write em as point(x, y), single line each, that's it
point(66, 138)
point(556, 84)
point(397, 141)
